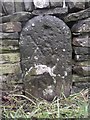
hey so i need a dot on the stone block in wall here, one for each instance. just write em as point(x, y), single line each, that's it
point(8, 46)
point(8, 7)
point(16, 17)
point(9, 42)
point(41, 3)
point(79, 88)
point(9, 36)
point(82, 57)
point(1, 11)
point(29, 6)
point(78, 15)
point(81, 41)
point(82, 85)
point(10, 58)
point(82, 26)
point(52, 11)
point(19, 5)
point(10, 27)
point(82, 68)
point(12, 6)
point(81, 50)
point(10, 68)
point(56, 3)
point(77, 78)
point(87, 3)
point(84, 63)
point(11, 84)
point(75, 5)
point(8, 49)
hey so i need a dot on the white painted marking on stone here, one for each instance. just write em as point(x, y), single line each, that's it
point(40, 69)
point(35, 57)
point(48, 90)
point(54, 81)
point(30, 69)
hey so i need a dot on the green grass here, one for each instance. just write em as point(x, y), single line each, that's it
point(20, 106)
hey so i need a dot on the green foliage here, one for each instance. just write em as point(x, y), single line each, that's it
point(19, 106)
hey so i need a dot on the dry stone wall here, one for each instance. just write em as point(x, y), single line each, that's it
point(13, 18)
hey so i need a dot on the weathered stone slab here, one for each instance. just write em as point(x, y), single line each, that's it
point(0, 6)
point(10, 58)
point(81, 50)
point(85, 63)
point(81, 57)
point(10, 68)
point(56, 3)
point(77, 89)
point(75, 5)
point(16, 17)
point(78, 15)
point(45, 48)
point(9, 49)
point(82, 85)
point(83, 26)
point(28, 5)
point(82, 68)
point(10, 27)
point(80, 5)
point(1, 11)
point(41, 3)
point(19, 5)
point(8, 42)
point(11, 83)
point(87, 4)
point(9, 35)
point(8, 6)
point(76, 78)
point(52, 11)
point(8, 46)
point(81, 41)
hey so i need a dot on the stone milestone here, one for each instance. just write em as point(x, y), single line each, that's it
point(46, 53)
